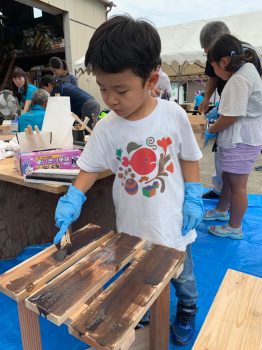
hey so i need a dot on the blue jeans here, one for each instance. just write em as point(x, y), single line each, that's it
point(185, 284)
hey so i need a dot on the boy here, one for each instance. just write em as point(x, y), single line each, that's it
point(149, 144)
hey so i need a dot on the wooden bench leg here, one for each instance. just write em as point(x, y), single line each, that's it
point(29, 327)
point(159, 321)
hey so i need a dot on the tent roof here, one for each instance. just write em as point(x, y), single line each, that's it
point(181, 46)
point(180, 42)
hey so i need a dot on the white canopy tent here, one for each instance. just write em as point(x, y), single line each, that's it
point(182, 55)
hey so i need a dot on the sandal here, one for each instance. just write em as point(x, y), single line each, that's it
point(226, 231)
point(216, 215)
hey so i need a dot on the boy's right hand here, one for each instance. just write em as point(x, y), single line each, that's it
point(68, 210)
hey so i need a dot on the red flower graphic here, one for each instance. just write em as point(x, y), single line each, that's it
point(170, 168)
point(164, 143)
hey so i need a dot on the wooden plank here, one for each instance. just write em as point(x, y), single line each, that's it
point(234, 320)
point(141, 340)
point(118, 310)
point(73, 316)
point(66, 293)
point(27, 277)
point(29, 327)
point(159, 336)
point(9, 173)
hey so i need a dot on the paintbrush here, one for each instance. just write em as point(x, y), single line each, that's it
point(64, 247)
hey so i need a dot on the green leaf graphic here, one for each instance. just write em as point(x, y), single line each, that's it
point(163, 186)
point(132, 146)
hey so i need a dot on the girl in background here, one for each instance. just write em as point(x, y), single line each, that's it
point(60, 71)
point(22, 89)
point(239, 131)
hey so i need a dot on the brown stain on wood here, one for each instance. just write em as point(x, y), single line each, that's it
point(33, 271)
point(115, 311)
point(27, 215)
point(100, 265)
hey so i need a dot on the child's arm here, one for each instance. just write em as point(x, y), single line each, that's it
point(69, 206)
point(190, 170)
point(193, 209)
point(221, 124)
point(84, 181)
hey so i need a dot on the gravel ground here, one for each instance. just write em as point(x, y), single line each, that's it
point(207, 169)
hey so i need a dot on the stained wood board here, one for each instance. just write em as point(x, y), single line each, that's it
point(67, 292)
point(234, 321)
point(27, 277)
point(116, 312)
point(73, 316)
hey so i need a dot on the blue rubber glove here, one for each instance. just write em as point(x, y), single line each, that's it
point(209, 136)
point(68, 210)
point(193, 208)
point(212, 115)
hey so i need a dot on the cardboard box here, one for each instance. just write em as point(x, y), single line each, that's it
point(6, 129)
point(54, 159)
point(198, 124)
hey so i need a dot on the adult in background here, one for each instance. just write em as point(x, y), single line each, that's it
point(82, 103)
point(22, 89)
point(163, 87)
point(60, 70)
point(35, 116)
point(197, 99)
point(209, 34)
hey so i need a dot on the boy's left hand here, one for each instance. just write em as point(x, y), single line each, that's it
point(193, 209)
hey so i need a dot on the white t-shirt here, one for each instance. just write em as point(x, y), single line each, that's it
point(242, 98)
point(148, 190)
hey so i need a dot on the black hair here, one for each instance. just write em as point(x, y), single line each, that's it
point(45, 80)
point(229, 46)
point(124, 43)
point(18, 72)
point(57, 63)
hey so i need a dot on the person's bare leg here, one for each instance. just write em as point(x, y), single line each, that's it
point(224, 199)
point(238, 199)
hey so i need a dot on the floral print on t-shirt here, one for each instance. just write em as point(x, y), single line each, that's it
point(141, 168)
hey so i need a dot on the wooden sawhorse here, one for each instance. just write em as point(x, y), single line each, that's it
point(72, 292)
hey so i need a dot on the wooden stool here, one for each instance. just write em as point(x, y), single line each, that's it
point(234, 320)
point(72, 292)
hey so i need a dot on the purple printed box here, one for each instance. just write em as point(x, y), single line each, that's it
point(55, 159)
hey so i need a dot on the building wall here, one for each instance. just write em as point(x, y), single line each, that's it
point(81, 18)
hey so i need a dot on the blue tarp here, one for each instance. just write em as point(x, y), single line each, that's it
point(212, 257)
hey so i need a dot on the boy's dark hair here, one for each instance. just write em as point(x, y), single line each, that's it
point(18, 72)
point(46, 79)
point(124, 43)
point(57, 63)
point(228, 45)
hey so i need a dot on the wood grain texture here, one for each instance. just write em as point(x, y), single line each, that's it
point(66, 293)
point(141, 340)
point(27, 215)
point(117, 311)
point(234, 321)
point(27, 277)
point(26, 218)
point(159, 336)
point(29, 327)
